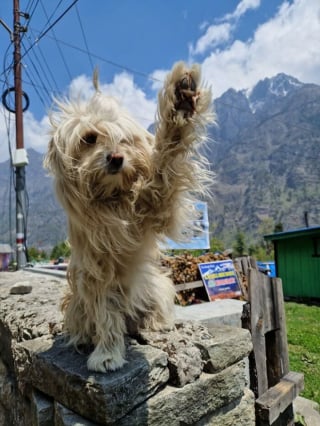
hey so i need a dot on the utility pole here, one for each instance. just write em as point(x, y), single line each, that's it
point(20, 159)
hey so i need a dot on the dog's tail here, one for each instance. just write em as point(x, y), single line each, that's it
point(95, 79)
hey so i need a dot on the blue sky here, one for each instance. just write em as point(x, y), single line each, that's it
point(134, 44)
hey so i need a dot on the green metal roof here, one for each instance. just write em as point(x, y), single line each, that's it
point(302, 232)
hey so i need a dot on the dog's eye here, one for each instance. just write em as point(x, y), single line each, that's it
point(90, 138)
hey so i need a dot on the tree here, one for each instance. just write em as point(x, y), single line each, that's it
point(61, 250)
point(278, 227)
point(216, 245)
point(239, 246)
point(36, 255)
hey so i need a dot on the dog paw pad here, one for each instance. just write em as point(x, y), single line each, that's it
point(186, 95)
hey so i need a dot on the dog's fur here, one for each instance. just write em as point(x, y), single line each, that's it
point(123, 190)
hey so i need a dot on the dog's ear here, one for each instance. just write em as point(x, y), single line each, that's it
point(95, 79)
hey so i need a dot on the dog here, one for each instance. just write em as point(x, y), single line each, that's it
point(124, 191)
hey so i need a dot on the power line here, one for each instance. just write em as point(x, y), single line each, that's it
point(108, 61)
point(45, 62)
point(57, 44)
point(84, 38)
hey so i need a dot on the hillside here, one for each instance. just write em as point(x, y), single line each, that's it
point(266, 156)
point(264, 151)
point(46, 219)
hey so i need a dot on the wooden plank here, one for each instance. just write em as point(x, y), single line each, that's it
point(245, 265)
point(246, 323)
point(188, 286)
point(280, 324)
point(257, 330)
point(253, 263)
point(266, 290)
point(274, 357)
point(275, 400)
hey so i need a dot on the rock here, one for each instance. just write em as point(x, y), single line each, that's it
point(65, 417)
point(184, 359)
point(237, 413)
point(61, 373)
point(42, 409)
point(181, 377)
point(187, 405)
point(225, 346)
point(21, 288)
point(192, 348)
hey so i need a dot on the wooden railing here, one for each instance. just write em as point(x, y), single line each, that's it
point(274, 385)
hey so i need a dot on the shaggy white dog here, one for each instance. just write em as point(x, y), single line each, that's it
point(123, 190)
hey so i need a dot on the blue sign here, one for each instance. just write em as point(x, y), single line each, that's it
point(267, 267)
point(220, 279)
point(197, 237)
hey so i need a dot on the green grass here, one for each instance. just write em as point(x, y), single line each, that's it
point(303, 331)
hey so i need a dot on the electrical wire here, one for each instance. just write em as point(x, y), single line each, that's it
point(50, 27)
point(57, 44)
point(84, 38)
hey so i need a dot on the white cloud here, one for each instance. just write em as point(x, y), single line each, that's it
point(157, 79)
point(214, 36)
point(287, 43)
point(35, 133)
point(218, 34)
point(122, 87)
point(242, 8)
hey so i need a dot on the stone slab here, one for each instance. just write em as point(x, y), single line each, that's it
point(219, 312)
point(191, 344)
point(187, 405)
point(238, 412)
point(65, 417)
point(41, 409)
point(61, 373)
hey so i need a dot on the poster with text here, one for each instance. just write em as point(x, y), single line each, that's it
point(220, 279)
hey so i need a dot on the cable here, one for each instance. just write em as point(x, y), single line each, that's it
point(51, 26)
point(84, 39)
point(45, 62)
point(108, 61)
point(57, 44)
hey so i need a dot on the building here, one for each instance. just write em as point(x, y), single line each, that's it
point(5, 255)
point(297, 259)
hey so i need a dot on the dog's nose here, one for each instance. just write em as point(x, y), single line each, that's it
point(114, 162)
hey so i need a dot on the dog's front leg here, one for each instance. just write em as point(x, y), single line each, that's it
point(184, 112)
point(108, 336)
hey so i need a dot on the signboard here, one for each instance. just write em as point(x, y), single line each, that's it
point(220, 279)
point(197, 237)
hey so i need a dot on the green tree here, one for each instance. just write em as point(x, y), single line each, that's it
point(278, 227)
point(239, 246)
point(61, 250)
point(35, 254)
point(216, 245)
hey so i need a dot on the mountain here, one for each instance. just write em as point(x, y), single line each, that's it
point(46, 222)
point(264, 152)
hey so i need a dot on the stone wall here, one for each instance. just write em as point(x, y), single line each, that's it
point(188, 376)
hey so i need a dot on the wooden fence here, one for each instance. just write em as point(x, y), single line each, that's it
point(274, 385)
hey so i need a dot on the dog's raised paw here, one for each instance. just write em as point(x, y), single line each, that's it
point(186, 95)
